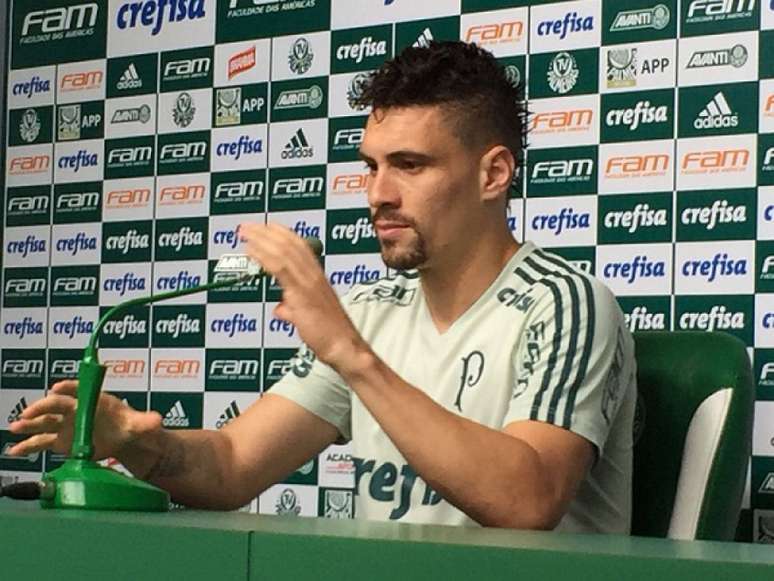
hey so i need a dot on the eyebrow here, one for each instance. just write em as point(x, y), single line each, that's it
point(399, 155)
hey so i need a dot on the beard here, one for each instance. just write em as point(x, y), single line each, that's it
point(404, 254)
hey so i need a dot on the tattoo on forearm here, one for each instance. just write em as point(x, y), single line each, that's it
point(172, 462)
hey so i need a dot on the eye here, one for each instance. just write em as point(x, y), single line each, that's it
point(371, 167)
point(409, 165)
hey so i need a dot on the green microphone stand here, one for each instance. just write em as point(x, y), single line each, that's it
point(81, 482)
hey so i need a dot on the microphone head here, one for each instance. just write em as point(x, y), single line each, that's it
point(315, 244)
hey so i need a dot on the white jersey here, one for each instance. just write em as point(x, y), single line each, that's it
point(544, 342)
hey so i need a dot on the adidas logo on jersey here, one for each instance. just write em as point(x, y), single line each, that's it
point(716, 114)
point(129, 79)
point(231, 412)
point(297, 147)
point(424, 39)
point(17, 410)
point(176, 417)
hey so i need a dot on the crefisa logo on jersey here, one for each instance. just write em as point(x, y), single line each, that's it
point(153, 13)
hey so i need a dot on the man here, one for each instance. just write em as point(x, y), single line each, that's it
point(486, 382)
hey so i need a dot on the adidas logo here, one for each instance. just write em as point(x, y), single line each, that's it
point(129, 79)
point(424, 39)
point(231, 412)
point(176, 417)
point(716, 114)
point(297, 147)
point(767, 487)
point(17, 410)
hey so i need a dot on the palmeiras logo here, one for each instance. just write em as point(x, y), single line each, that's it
point(29, 128)
point(562, 73)
point(621, 67)
point(184, 110)
point(301, 56)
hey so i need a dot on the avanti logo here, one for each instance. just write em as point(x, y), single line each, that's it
point(32, 87)
point(643, 112)
point(238, 323)
point(72, 327)
point(69, 22)
point(716, 114)
point(152, 13)
point(719, 266)
point(736, 57)
point(721, 212)
point(128, 282)
point(310, 98)
point(641, 216)
point(639, 267)
point(656, 18)
point(571, 23)
point(565, 219)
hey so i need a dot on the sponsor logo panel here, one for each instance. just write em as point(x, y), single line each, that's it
point(350, 232)
point(344, 138)
point(180, 275)
point(189, 110)
point(28, 206)
point(762, 486)
point(723, 162)
point(81, 81)
point(337, 467)
point(24, 328)
point(237, 192)
point(716, 215)
point(177, 369)
point(28, 246)
point(249, 291)
point(345, 271)
point(243, 105)
point(78, 202)
point(130, 157)
point(184, 70)
point(360, 49)
point(636, 270)
point(132, 75)
point(732, 57)
point(561, 171)
point(181, 239)
point(718, 110)
point(644, 166)
point(248, 19)
point(75, 287)
point(220, 409)
point(766, 65)
point(158, 26)
point(304, 474)
point(289, 500)
point(306, 55)
point(566, 25)
point(646, 313)
point(639, 21)
point(63, 364)
point(31, 87)
point(299, 99)
point(224, 233)
point(57, 32)
point(239, 148)
point(179, 410)
point(25, 287)
point(345, 90)
point(764, 253)
point(233, 370)
point(71, 327)
point(127, 199)
point(127, 241)
point(501, 32)
point(564, 121)
point(729, 313)
point(702, 17)
point(765, 160)
point(336, 503)
point(714, 267)
point(178, 326)
point(29, 165)
point(277, 363)
point(23, 369)
point(562, 221)
point(643, 218)
point(182, 195)
point(646, 65)
point(131, 116)
point(123, 282)
point(80, 121)
point(347, 185)
point(420, 33)
point(638, 116)
point(555, 74)
point(300, 188)
point(764, 320)
point(764, 373)
point(298, 143)
point(766, 213)
point(241, 63)
point(183, 153)
point(129, 329)
point(127, 370)
point(31, 125)
point(75, 244)
point(515, 219)
point(80, 161)
point(763, 445)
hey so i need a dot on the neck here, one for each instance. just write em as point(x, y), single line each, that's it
point(463, 274)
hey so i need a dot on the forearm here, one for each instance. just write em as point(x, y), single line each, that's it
point(496, 479)
point(192, 465)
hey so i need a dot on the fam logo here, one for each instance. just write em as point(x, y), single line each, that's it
point(25, 287)
point(184, 153)
point(69, 22)
point(127, 199)
point(709, 12)
point(25, 206)
point(23, 370)
point(80, 202)
point(561, 121)
point(491, 34)
point(232, 369)
point(153, 13)
point(182, 195)
point(129, 157)
point(629, 166)
point(123, 369)
point(70, 288)
point(186, 69)
point(297, 188)
point(235, 192)
point(83, 80)
point(25, 165)
point(715, 161)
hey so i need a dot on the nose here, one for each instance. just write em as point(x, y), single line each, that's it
point(382, 190)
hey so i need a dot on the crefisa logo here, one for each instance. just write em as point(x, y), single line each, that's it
point(631, 270)
point(572, 22)
point(153, 13)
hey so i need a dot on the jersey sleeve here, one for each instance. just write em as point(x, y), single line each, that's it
point(574, 359)
point(316, 387)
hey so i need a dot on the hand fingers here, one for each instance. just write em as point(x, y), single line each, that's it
point(46, 423)
point(51, 404)
point(33, 444)
point(66, 387)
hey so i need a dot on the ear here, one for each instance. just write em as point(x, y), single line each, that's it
point(496, 172)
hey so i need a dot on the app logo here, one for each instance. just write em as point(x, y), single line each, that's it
point(152, 13)
point(68, 122)
point(310, 98)
point(736, 57)
point(656, 18)
point(241, 62)
point(297, 147)
point(228, 107)
point(300, 56)
point(339, 504)
point(562, 27)
point(717, 113)
point(562, 73)
point(29, 128)
point(622, 67)
point(184, 110)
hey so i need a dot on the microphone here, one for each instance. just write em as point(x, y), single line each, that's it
point(82, 483)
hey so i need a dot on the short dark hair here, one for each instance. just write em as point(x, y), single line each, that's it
point(486, 105)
